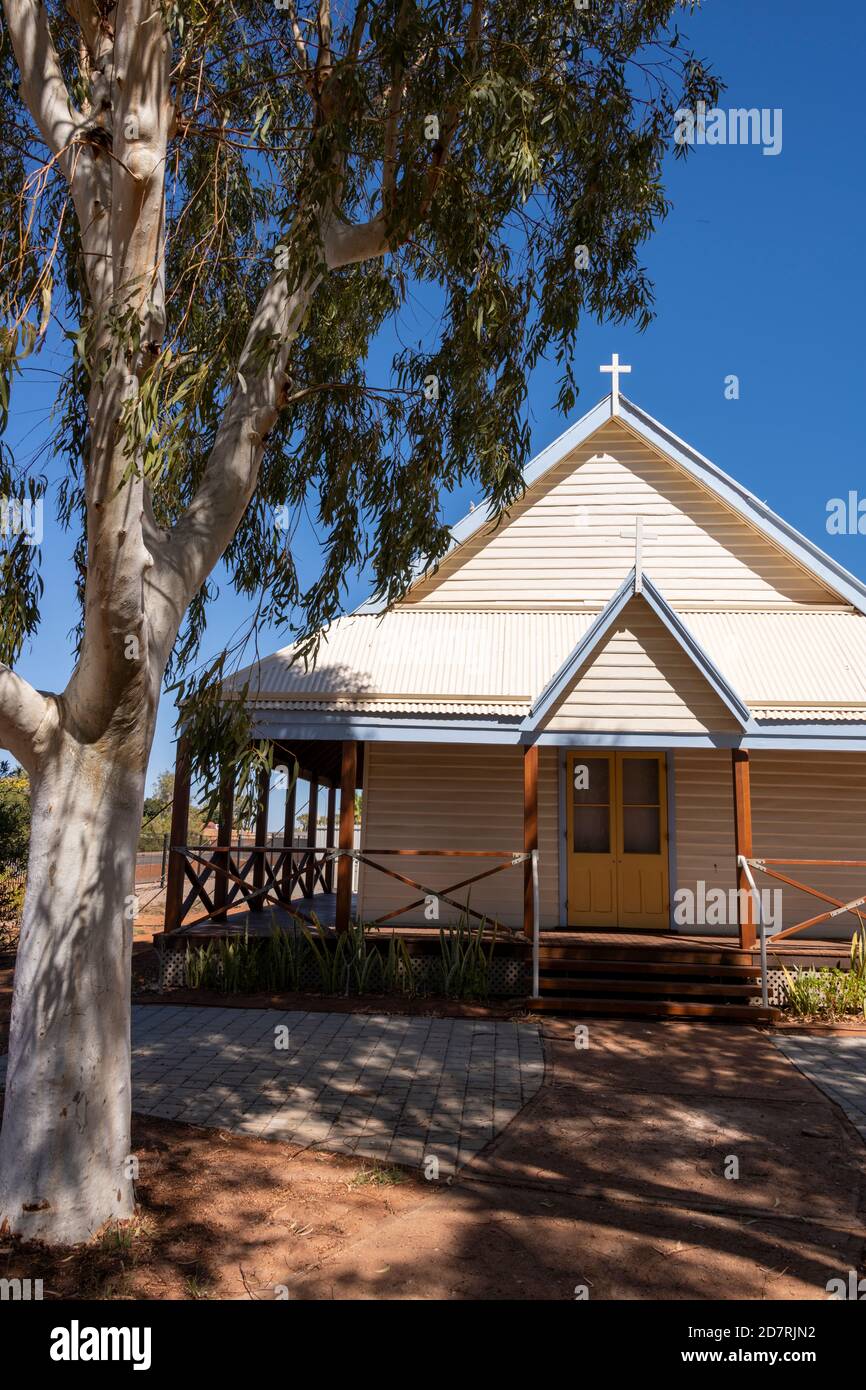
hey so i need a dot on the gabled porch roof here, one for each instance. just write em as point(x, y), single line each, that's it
point(642, 586)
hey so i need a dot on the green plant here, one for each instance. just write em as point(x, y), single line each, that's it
point(398, 976)
point(331, 960)
point(14, 814)
point(232, 965)
point(240, 963)
point(284, 959)
point(197, 966)
point(349, 963)
point(465, 964)
point(858, 952)
point(197, 1289)
point(364, 962)
point(377, 1176)
point(825, 994)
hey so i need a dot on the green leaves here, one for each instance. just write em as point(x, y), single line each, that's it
point(494, 144)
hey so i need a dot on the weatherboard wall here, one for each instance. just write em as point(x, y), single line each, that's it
point(640, 680)
point(444, 797)
point(437, 796)
point(802, 808)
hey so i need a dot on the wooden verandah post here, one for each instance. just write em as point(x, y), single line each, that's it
point(261, 837)
point(224, 838)
point(288, 877)
point(348, 778)
point(312, 820)
point(178, 837)
point(743, 843)
point(530, 830)
point(329, 837)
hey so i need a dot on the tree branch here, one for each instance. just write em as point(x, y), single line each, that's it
point(454, 112)
point(392, 120)
point(22, 712)
point(115, 655)
point(141, 99)
point(347, 243)
point(323, 28)
point(187, 555)
point(42, 86)
point(358, 28)
point(300, 45)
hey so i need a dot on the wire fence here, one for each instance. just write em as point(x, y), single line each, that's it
point(13, 875)
point(13, 871)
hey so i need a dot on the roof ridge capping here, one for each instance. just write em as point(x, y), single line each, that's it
point(557, 687)
point(737, 496)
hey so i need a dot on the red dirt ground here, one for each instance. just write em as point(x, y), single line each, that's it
point(611, 1178)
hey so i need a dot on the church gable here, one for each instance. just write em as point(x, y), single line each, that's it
point(571, 540)
point(639, 679)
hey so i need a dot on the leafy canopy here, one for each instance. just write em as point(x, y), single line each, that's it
point(156, 815)
point(491, 141)
point(14, 814)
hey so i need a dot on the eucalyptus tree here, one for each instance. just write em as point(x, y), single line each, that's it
point(214, 208)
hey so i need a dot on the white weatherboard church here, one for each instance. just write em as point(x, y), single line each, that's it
point(642, 672)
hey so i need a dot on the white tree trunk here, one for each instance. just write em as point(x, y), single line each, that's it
point(65, 1139)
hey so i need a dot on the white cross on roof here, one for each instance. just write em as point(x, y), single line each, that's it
point(615, 368)
point(640, 535)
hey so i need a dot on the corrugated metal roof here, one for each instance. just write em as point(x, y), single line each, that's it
point(400, 705)
point(788, 658)
point(799, 664)
point(811, 714)
point(428, 654)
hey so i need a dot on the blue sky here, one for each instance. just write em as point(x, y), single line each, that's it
point(758, 273)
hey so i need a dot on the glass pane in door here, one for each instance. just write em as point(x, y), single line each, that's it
point(592, 830)
point(641, 830)
point(590, 781)
point(641, 812)
point(590, 789)
point(640, 782)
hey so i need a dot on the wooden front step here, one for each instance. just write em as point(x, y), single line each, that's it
point(653, 1008)
point(669, 954)
point(650, 980)
point(570, 984)
point(645, 968)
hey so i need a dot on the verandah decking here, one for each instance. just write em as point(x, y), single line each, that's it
point(322, 908)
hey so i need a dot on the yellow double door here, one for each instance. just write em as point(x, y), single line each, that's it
point(617, 840)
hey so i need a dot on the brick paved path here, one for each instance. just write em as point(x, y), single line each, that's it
point(836, 1064)
point(391, 1088)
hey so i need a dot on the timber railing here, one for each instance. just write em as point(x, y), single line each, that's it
point(751, 865)
point(255, 876)
point(506, 859)
point(222, 877)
